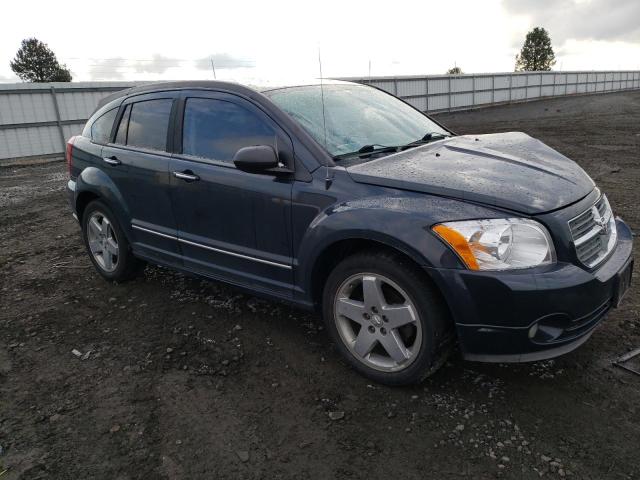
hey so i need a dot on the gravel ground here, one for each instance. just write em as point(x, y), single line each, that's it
point(173, 377)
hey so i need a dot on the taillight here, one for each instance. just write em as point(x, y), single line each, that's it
point(69, 153)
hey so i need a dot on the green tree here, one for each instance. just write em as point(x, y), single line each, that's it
point(35, 62)
point(454, 71)
point(537, 53)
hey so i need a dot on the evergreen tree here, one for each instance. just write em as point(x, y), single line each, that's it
point(537, 53)
point(35, 62)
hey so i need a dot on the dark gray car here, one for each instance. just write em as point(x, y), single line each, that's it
point(342, 198)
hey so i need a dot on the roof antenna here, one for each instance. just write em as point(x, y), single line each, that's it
point(327, 179)
point(213, 68)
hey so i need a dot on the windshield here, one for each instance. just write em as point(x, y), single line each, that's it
point(355, 116)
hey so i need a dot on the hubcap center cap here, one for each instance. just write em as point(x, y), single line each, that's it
point(376, 320)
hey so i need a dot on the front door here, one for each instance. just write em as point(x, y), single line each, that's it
point(232, 225)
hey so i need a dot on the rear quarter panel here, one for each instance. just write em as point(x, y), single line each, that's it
point(89, 176)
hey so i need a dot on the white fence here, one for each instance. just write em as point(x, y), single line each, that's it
point(461, 92)
point(36, 119)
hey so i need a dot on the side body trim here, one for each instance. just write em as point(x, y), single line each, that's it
point(214, 249)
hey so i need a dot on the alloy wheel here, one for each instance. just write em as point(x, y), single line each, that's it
point(378, 322)
point(103, 242)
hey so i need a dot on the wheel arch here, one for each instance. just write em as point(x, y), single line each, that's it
point(83, 199)
point(333, 253)
point(94, 184)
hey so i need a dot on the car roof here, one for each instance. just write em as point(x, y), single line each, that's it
point(267, 86)
point(255, 86)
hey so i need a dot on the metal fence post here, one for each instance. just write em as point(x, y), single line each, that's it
point(449, 97)
point(58, 118)
point(540, 86)
point(473, 91)
point(510, 87)
point(493, 89)
point(426, 98)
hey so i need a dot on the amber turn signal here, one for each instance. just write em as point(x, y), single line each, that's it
point(459, 244)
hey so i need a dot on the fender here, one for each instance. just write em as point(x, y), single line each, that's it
point(401, 221)
point(96, 181)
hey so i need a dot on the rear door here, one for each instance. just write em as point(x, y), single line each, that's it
point(232, 225)
point(139, 165)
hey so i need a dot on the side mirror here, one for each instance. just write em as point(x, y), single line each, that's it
point(256, 159)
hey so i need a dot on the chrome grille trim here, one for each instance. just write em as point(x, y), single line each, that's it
point(594, 233)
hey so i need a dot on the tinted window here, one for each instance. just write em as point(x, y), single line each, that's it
point(101, 128)
point(217, 129)
point(148, 124)
point(121, 134)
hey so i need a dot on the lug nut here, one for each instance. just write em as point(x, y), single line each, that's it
point(383, 331)
point(371, 329)
point(366, 315)
point(374, 309)
point(384, 318)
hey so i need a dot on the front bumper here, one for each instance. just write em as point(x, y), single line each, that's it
point(534, 314)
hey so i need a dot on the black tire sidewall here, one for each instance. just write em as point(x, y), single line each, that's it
point(432, 318)
point(124, 254)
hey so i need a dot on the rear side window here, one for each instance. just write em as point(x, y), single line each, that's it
point(121, 134)
point(101, 127)
point(148, 124)
point(217, 129)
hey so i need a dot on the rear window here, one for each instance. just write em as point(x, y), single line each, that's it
point(148, 124)
point(217, 129)
point(101, 127)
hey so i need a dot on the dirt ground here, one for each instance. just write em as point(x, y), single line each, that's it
point(174, 377)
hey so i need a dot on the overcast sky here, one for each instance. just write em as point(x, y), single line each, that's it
point(257, 40)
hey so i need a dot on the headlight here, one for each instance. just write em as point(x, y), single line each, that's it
point(498, 244)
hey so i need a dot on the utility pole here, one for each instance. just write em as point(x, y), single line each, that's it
point(213, 68)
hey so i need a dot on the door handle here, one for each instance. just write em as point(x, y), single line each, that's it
point(187, 176)
point(112, 160)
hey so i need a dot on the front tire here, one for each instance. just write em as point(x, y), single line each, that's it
point(107, 245)
point(386, 318)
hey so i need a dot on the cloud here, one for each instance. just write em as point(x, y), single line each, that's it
point(223, 60)
point(118, 68)
point(9, 79)
point(157, 64)
point(604, 20)
point(108, 69)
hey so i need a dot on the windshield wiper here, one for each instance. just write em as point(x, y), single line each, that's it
point(428, 137)
point(369, 150)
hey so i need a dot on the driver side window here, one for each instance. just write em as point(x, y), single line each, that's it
point(217, 129)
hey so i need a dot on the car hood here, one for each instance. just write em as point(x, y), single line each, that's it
point(508, 170)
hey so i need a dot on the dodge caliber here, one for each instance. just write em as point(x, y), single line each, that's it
point(339, 197)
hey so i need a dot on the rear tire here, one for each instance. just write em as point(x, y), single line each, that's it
point(108, 247)
point(386, 318)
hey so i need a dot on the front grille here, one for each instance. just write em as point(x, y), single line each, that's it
point(594, 233)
